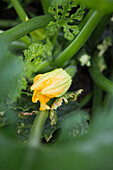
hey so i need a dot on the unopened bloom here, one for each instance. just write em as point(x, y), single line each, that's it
point(50, 85)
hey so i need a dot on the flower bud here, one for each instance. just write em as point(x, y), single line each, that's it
point(50, 85)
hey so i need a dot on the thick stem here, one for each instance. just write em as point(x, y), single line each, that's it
point(36, 131)
point(99, 79)
point(104, 6)
point(25, 28)
point(23, 16)
point(71, 70)
point(80, 39)
point(34, 142)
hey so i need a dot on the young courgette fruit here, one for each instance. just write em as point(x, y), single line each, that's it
point(25, 28)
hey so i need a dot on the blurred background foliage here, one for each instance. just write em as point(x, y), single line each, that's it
point(83, 135)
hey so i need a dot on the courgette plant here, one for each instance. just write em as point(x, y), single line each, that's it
point(51, 48)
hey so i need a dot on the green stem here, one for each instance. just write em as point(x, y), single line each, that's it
point(104, 6)
point(20, 11)
point(27, 93)
point(45, 5)
point(34, 141)
point(17, 46)
point(84, 21)
point(43, 65)
point(95, 37)
point(23, 16)
point(36, 131)
point(55, 37)
point(8, 23)
point(85, 100)
point(99, 79)
point(108, 103)
point(71, 70)
point(80, 39)
point(25, 28)
point(97, 99)
point(108, 99)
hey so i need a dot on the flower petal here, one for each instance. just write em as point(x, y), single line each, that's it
point(44, 107)
point(52, 92)
point(35, 80)
point(43, 100)
point(50, 85)
point(41, 82)
point(35, 96)
point(37, 77)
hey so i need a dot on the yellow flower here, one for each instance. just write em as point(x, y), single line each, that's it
point(50, 85)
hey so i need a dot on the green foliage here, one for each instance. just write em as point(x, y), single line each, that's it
point(24, 126)
point(99, 79)
point(77, 140)
point(104, 6)
point(65, 112)
point(16, 71)
point(26, 2)
point(69, 96)
point(11, 76)
point(26, 27)
point(77, 128)
point(23, 104)
point(80, 153)
point(64, 18)
point(35, 55)
point(75, 124)
point(18, 82)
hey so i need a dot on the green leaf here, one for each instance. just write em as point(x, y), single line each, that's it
point(75, 124)
point(104, 6)
point(11, 76)
point(60, 114)
point(92, 151)
point(71, 96)
point(34, 56)
point(64, 18)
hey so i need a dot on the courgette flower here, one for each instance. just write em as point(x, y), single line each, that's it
point(50, 85)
